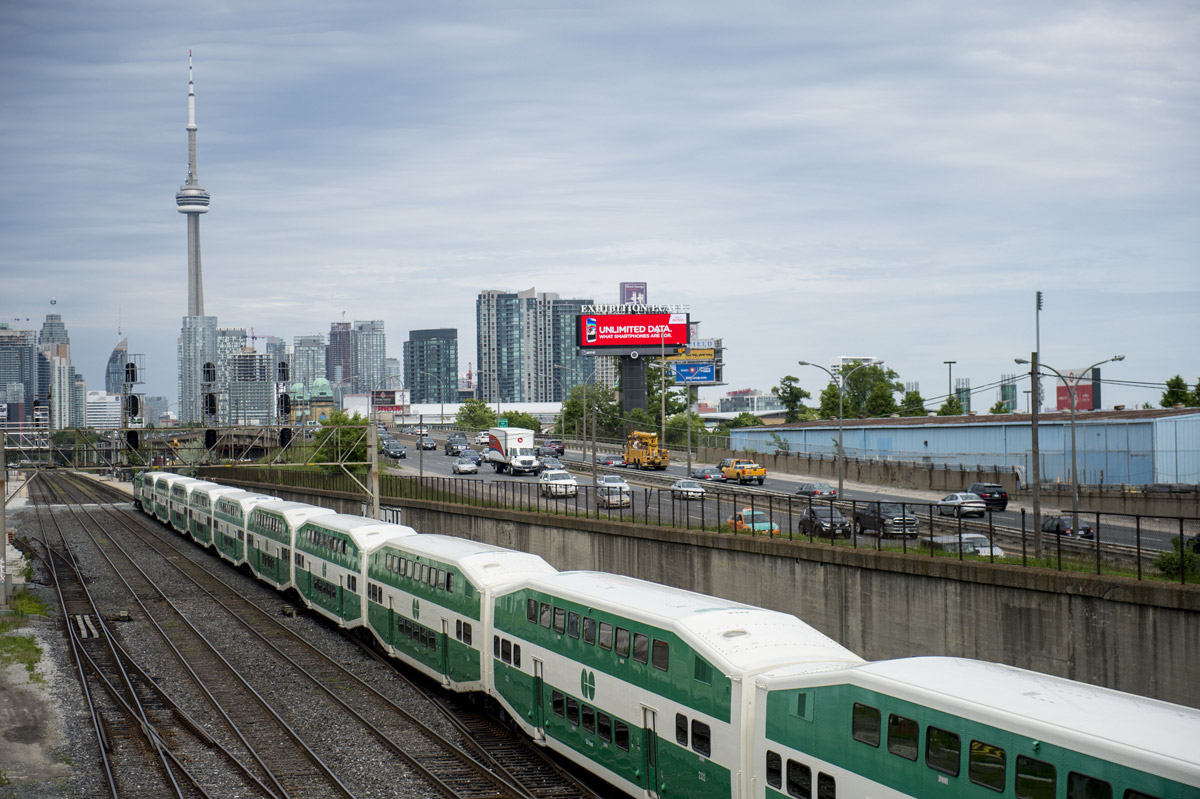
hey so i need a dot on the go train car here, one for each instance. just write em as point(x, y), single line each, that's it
point(230, 514)
point(202, 499)
point(179, 503)
point(430, 599)
point(950, 727)
point(271, 539)
point(648, 686)
point(331, 559)
point(162, 495)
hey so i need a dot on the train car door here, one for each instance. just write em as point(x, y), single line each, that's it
point(445, 669)
point(650, 751)
point(539, 714)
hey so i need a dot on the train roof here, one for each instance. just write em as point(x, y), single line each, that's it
point(368, 534)
point(296, 511)
point(243, 498)
point(484, 565)
point(1129, 729)
point(740, 639)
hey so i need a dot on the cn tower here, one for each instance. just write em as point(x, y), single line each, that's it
point(192, 200)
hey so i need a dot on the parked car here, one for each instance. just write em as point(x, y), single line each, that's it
point(614, 480)
point(992, 494)
point(824, 521)
point(708, 473)
point(961, 504)
point(687, 489)
point(614, 496)
point(972, 544)
point(817, 490)
point(464, 465)
point(482, 437)
point(752, 521)
point(610, 459)
point(425, 442)
point(885, 518)
point(549, 463)
point(1063, 525)
point(559, 446)
point(557, 483)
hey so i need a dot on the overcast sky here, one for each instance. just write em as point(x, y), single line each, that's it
point(813, 179)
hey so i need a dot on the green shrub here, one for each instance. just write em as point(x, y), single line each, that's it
point(1170, 563)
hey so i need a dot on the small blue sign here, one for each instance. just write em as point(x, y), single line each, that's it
point(697, 372)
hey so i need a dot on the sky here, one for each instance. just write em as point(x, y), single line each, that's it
point(893, 180)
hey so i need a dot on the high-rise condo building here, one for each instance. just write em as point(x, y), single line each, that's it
point(308, 359)
point(431, 365)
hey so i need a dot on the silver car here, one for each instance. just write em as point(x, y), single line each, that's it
point(961, 504)
point(612, 496)
point(687, 489)
point(465, 465)
point(557, 483)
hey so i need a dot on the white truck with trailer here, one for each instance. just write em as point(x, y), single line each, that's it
point(510, 449)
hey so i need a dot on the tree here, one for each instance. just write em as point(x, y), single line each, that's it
point(1177, 393)
point(676, 396)
point(879, 401)
point(873, 383)
point(1000, 407)
point(792, 397)
point(951, 407)
point(601, 401)
point(677, 429)
point(1196, 395)
point(522, 419)
point(342, 439)
point(829, 401)
point(913, 404)
point(475, 414)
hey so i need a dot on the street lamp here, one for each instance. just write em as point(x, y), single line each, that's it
point(841, 384)
point(441, 395)
point(1072, 385)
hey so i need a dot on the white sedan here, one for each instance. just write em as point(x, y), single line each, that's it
point(465, 465)
point(961, 504)
point(687, 489)
point(612, 481)
point(557, 483)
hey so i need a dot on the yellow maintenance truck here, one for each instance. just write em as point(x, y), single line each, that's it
point(642, 451)
point(742, 471)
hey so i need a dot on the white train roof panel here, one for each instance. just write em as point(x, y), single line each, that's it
point(367, 534)
point(739, 638)
point(248, 499)
point(484, 564)
point(296, 512)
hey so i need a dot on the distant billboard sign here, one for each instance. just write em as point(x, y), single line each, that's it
point(648, 331)
point(695, 372)
point(392, 408)
point(383, 397)
point(633, 293)
point(1087, 394)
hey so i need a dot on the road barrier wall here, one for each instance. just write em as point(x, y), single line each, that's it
point(1141, 637)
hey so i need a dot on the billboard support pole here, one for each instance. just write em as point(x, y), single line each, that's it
point(662, 387)
point(688, 416)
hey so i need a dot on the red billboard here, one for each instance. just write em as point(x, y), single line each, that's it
point(1083, 397)
point(639, 331)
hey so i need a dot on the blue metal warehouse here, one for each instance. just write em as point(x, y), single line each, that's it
point(1134, 447)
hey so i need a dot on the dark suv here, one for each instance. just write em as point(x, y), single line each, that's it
point(885, 518)
point(456, 444)
point(992, 494)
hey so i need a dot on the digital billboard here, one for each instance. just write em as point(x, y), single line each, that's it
point(695, 372)
point(648, 331)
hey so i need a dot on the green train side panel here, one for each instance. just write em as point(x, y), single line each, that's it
point(825, 733)
point(463, 663)
point(346, 605)
point(464, 601)
point(201, 531)
point(230, 546)
point(271, 572)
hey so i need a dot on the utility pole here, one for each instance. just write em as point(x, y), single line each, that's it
point(1036, 466)
point(949, 379)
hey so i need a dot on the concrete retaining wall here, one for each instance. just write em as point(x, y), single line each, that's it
point(1143, 638)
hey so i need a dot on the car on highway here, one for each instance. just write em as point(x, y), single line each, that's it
point(394, 449)
point(482, 437)
point(961, 504)
point(549, 463)
point(886, 519)
point(614, 480)
point(557, 483)
point(464, 465)
point(971, 543)
point(559, 446)
point(456, 446)
point(687, 489)
point(817, 490)
point(613, 496)
point(748, 520)
point(1064, 525)
point(546, 452)
point(425, 442)
point(993, 494)
point(708, 474)
point(420, 431)
point(475, 457)
point(610, 459)
point(823, 521)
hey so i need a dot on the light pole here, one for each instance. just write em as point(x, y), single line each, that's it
point(841, 384)
point(1072, 385)
point(949, 379)
point(441, 394)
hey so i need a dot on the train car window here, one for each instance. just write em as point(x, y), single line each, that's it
point(622, 648)
point(467, 634)
point(942, 750)
point(1130, 793)
point(352, 584)
point(986, 768)
point(865, 724)
point(641, 648)
point(701, 738)
point(621, 735)
point(660, 655)
point(774, 769)
point(681, 729)
point(424, 573)
point(432, 641)
point(450, 582)
point(516, 655)
point(803, 708)
point(1081, 786)
point(442, 579)
point(606, 635)
point(589, 718)
point(573, 711)
point(903, 736)
point(458, 629)
point(799, 780)
point(531, 611)
point(604, 727)
point(573, 624)
point(557, 703)
point(560, 621)
point(1036, 779)
point(506, 650)
point(589, 630)
point(545, 615)
point(702, 672)
point(495, 646)
point(826, 786)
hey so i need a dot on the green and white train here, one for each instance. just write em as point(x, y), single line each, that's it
point(669, 693)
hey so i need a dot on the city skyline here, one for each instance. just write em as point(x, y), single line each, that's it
point(812, 182)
